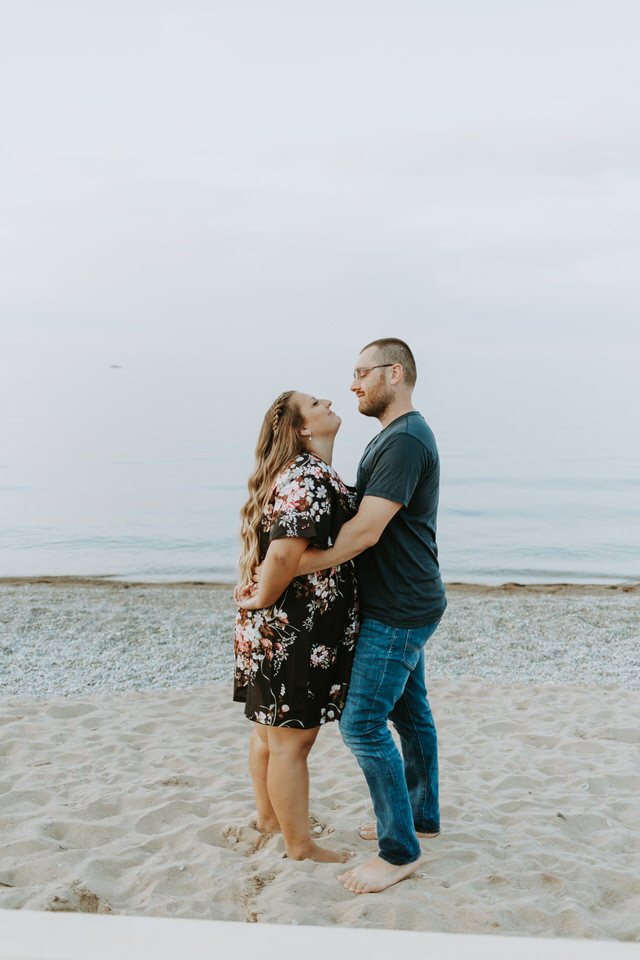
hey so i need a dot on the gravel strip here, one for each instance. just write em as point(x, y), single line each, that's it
point(73, 638)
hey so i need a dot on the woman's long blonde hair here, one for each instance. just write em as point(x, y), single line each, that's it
point(279, 442)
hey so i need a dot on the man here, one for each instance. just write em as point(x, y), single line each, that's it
point(402, 599)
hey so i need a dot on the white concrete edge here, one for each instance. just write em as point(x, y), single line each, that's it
point(30, 935)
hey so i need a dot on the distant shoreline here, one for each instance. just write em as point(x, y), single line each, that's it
point(455, 587)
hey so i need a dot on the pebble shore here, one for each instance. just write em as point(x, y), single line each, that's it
point(60, 636)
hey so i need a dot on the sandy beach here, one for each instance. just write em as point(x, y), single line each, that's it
point(125, 788)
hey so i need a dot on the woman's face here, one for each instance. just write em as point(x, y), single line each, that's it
point(319, 418)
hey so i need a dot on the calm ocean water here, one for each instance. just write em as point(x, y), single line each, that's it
point(133, 474)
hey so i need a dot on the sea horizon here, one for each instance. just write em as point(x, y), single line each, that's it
point(118, 478)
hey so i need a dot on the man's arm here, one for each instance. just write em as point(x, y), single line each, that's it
point(356, 535)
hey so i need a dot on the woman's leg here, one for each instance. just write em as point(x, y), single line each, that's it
point(288, 789)
point(267, 821)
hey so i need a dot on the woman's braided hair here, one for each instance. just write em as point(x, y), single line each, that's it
point(279, 442)
point(277, 407)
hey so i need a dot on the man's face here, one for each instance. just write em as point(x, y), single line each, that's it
point(373, 391)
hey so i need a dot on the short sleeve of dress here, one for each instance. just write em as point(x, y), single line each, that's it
point(302, 508)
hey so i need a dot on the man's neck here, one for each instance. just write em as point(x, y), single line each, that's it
point(396, 409)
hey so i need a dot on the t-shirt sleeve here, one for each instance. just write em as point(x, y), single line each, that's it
point(397, 469)
point(301, 509)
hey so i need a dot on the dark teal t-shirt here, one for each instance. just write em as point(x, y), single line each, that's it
point(399, 578)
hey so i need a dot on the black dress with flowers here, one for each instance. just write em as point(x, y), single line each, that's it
point(293, 659)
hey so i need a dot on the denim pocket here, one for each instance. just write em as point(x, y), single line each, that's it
point(413, 644)
point(415, 641)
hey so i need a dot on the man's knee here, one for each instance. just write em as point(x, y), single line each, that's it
point(349, 735)
point(362, 735)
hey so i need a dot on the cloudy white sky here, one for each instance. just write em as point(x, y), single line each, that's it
point(215, 183)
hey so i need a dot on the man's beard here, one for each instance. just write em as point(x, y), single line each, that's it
point(376, 405)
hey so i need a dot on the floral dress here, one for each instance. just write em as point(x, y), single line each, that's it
point(293, 659)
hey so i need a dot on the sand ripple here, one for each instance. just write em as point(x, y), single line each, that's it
point(141, 803)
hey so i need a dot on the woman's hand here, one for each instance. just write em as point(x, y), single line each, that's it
point(246, 597)
point(242, 593)
point(250, 602)
point(274, 576)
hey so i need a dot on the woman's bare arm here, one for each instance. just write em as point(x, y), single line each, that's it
point(278, 570)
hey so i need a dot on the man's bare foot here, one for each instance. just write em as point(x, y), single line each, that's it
point(375, 875)
point(267, 826)
point(369, 831)
point(313, 851)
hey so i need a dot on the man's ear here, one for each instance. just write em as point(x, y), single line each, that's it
point(396, 373)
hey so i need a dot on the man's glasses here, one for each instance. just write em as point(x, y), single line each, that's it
point(361, 372)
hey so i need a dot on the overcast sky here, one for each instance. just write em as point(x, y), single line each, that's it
point(236, 180)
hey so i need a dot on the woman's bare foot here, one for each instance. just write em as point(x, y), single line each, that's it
point(267, 826)
point(313, 851)
point(376, 875)
point(272, 826)
point(369, 831)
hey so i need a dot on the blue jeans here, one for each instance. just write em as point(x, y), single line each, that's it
point(387, 682)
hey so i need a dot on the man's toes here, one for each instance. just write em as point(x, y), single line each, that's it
point(358, 886)
point(351, 882)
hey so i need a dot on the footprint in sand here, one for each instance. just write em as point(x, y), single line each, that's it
point(247, 840)
point(77, 899)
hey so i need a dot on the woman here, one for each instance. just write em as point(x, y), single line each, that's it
point(294, 636)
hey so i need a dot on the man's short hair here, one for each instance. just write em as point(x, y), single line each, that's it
point(392, 350)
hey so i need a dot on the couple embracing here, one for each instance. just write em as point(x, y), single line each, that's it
point(322, 638)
